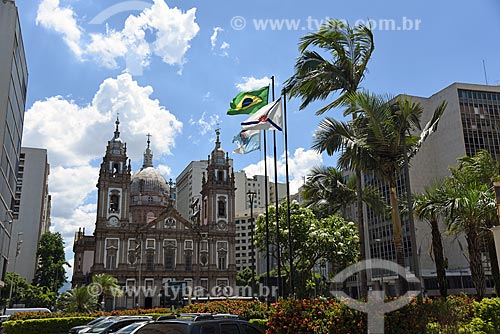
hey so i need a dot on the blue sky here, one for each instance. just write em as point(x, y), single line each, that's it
point(172, 69)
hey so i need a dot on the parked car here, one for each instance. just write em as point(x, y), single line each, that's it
point(132, 327)
point(83, 328)
point(200, 323)
point(113, 325)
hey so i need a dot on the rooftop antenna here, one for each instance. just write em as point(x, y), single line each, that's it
point(484, 68)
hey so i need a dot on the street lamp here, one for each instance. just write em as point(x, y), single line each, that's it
point(18, 251)
point(251, 197)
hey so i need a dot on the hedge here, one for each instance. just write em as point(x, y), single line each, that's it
point(50, 325)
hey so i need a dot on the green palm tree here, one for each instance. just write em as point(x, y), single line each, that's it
point(471, 210)
point(373, 141)
point(428, 207)
point(108, 286)
point(466, 210)
point(78, 299)
point(316, 78)
point(328, 191)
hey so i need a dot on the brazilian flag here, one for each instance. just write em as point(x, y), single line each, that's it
point(248, 102)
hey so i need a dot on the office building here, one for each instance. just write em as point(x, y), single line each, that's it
point(31, 210)
point(470, 123)
point(13, 83)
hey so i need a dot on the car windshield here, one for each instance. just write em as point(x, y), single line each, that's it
point(95, 321)
point(128, 329)
point(100, 326)
point(164, 328)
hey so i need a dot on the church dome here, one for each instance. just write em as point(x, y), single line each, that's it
point(148, 186)
point(148, 181)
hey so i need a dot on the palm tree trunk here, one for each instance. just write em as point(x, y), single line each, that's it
point(476, 265)
point(411, 221)
point(437, 250)
point(361, 230)
point(398, 236)
point(493, 260)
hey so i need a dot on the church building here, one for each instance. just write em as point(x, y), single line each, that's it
point(142, 240)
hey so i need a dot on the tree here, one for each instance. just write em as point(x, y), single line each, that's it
point(25, 293)
point(331, 239)
point(50, 272)
point(390, 135)
point(470, 209)
point(429, 207)
point(78, 299)
point(107, 286)
point(328, 191)
point(244, 277)
point(316, 78)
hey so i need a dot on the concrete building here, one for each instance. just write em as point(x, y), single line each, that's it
point(469, 124)
point(244, 185)
point(31, 210)
point(13, 83)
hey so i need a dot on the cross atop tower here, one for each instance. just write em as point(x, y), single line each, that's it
point(149, 138)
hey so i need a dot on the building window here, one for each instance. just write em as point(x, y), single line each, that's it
point(189, 260)
point(111, 251)
point(222, 255)
point(221, 207)
point(114, 202)
point(169, 248)
point(150, 256)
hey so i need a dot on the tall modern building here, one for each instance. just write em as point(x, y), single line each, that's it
point(470, 123)
point(244, 185)
point(13, 83)
point(31, 210)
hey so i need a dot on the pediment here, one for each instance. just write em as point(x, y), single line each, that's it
point(170, 213)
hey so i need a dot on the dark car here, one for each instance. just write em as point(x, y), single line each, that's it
point(200, 324)
point(113, 325)
point(78, 329)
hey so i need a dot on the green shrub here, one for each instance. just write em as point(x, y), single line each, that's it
point(433, 328)
point(37, 326)
point(486, 316)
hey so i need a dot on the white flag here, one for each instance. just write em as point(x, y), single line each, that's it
point(268, 117)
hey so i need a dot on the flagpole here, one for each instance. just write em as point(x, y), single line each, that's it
point(278, 251)
point(267, 221)
point(290, 249)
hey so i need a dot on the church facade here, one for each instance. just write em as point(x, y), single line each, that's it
point(141, 239)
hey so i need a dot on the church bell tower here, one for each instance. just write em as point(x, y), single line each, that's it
point(113, 185)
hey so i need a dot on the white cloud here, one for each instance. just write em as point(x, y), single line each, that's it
point(62, 20)
point(173, 31)
point(205, 124)
point(213, 38)
point(165, 171)
point(224, 46)
point(251, 83)
point(299, 165)
point(75, 137)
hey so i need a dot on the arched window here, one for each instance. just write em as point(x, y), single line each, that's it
point(116, 169)
point(221, 207)
point(114, 202)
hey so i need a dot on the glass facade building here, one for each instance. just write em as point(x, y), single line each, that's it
point(13, 85)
